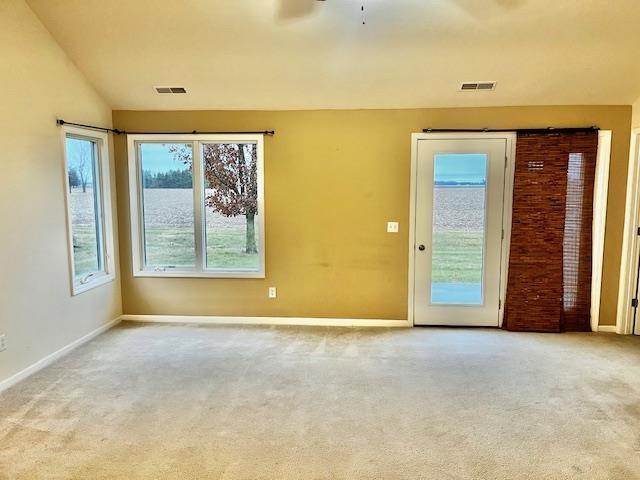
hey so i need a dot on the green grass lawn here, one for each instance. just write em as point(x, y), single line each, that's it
point(457, 257)
point(173, 246)
point(85, 256)
point(226, 248)
point(170, 246)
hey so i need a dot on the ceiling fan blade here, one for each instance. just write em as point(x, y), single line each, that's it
point(289, 9)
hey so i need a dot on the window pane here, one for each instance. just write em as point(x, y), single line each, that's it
point(167, 197)
point(457, 262)
point(84, 201)
point(231, 206)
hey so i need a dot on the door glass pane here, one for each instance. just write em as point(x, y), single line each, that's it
point(231, 205)
point(457, 260)
point(84, 202)
point(167, 201)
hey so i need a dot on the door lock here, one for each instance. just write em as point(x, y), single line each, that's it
point(421, 248)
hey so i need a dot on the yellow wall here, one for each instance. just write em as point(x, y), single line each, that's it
point(635, 123)
point(333, 180)
point(39, 83)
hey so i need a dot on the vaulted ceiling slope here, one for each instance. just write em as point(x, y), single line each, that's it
point(304, 54)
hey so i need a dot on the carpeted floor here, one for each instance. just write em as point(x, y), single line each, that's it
point(198, 402)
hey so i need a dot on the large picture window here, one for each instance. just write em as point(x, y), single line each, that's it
point(87, 185)
point(197, 205)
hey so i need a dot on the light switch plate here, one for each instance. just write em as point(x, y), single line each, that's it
point(392, 227)
point(3, 343)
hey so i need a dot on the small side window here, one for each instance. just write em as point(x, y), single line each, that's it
point(88, 208)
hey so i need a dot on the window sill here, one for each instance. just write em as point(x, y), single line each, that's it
point(199, 274)
point(94, 283)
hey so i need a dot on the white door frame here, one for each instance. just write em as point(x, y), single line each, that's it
point(600, 195)
point(630, 243)
point(510, 138)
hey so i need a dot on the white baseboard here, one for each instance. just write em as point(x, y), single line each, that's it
point(49, 359)
point(324, 322)
point(607, 328)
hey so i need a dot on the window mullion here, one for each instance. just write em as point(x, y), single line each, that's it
point(198, 210)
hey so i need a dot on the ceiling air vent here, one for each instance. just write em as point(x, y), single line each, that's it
point(171, 89)
point(475, 86)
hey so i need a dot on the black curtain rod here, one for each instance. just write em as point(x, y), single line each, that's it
point(523, 131)
point(115, 131)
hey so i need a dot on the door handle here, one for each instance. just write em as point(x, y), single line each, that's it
point(421, 247)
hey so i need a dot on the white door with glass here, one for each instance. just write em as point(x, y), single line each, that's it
point(458, 231)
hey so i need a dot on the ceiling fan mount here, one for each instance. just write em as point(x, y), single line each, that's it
point(292, 9)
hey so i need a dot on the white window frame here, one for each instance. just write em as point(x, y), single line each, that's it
point(135, 205)
point(105, 216)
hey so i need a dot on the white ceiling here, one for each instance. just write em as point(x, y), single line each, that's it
point(303, 54)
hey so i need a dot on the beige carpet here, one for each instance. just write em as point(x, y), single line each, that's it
point(196, 402)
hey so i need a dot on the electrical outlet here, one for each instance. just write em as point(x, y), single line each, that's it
point(393, 227)
point(273, 293)
point(3, 342)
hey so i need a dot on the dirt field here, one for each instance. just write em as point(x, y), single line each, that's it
point(459, 209)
